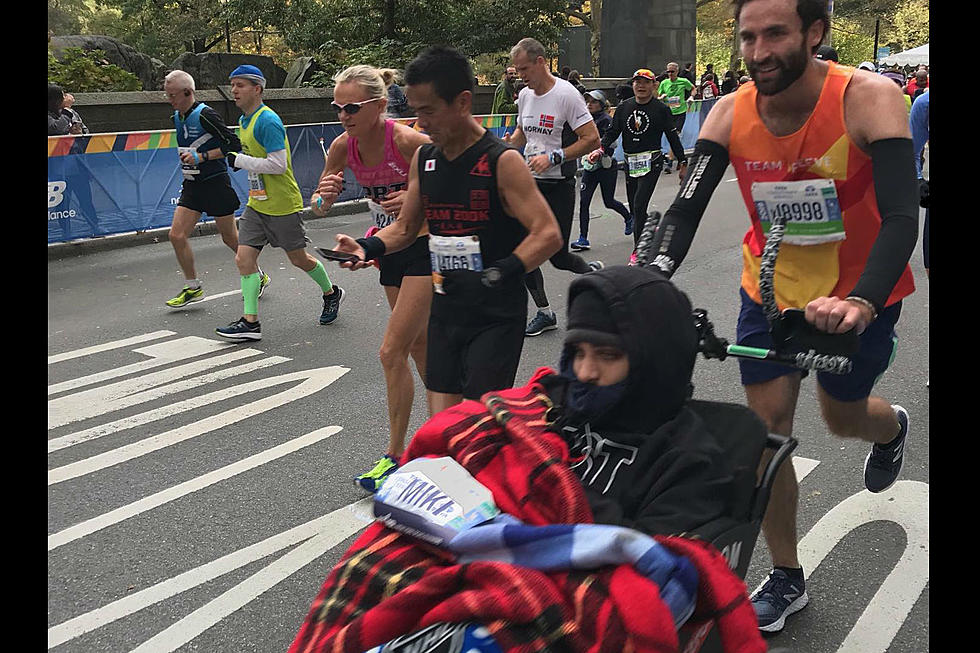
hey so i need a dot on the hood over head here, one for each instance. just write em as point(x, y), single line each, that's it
point(652, 320)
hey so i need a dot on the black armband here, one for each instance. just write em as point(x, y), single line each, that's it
point(503, 270)
point(676, 231)
point(374, 247)
point(897, 193)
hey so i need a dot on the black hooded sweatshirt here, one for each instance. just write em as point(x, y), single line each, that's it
point(650, 462)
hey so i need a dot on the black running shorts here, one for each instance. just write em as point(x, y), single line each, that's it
point(472, 360)
point(214, 196)
point(413, 261)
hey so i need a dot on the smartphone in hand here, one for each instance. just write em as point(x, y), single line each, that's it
point(334, 255)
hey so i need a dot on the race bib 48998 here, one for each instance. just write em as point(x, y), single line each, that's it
point(810, 208)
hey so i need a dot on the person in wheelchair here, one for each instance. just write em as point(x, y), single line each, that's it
point(646, 458)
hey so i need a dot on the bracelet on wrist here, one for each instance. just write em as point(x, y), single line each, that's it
point(864, 302)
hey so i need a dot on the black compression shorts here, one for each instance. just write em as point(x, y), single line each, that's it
point(413, 261)
point(473, 360)
point(213, 196)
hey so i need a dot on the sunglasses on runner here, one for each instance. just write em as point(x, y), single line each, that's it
point(352, 107)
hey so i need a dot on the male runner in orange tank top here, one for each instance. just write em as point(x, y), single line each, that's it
point(805, 142)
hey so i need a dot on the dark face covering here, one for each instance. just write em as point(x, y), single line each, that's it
point(587, 402)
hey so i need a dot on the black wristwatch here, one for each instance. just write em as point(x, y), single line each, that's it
point(557, 158)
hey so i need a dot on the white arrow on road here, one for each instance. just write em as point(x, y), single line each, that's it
point(312, 381)
point(122, 513)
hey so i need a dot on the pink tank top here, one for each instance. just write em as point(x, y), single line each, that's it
point(389, 175)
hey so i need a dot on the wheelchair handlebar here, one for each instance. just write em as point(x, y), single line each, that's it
point(711, 346)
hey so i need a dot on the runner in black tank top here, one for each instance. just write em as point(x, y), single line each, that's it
point(460, 198)
point(488, 225)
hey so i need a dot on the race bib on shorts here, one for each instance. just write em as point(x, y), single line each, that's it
point(453, 253)
point(256, 187)
point(381, 218)
point(188, 170)
point(810, 207)
point(640, 163)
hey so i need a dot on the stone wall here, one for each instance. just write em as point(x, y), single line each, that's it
point(646, 34)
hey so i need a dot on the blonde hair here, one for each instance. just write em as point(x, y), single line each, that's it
point(375, 81)
point(181, 78)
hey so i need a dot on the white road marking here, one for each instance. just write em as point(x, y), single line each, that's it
point(342, 522)
point(208, 298)
point(105, 399)
point(803, 466)
point(115, 344)
point(161, 354)
point(728, 181)
point(907, 504)
point(312, 381)
point(145, 418)
point(170, 494)
point(178, 634)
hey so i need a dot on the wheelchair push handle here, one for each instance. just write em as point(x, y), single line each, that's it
point(796, 343)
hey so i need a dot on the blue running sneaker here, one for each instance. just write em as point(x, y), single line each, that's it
point(241, 329)
point(628, 227)
point(780, 597)
point(331, 305)
point(884, 462)
point(541, 323)
point(372, 480)
point(580, 244)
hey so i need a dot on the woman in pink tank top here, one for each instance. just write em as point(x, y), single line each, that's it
point(378, 151)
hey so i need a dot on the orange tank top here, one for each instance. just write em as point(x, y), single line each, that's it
point(836, 222)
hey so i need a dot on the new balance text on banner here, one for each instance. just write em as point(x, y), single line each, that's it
point(102, 184)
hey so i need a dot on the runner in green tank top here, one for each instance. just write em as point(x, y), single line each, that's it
point(272, 215)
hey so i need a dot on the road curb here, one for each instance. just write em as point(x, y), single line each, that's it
point(84, 246)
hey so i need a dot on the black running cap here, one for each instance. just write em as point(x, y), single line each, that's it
point(826, 53)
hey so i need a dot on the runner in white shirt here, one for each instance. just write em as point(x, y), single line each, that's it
point(555, 128)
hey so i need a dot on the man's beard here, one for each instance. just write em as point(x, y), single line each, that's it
point(790, 69)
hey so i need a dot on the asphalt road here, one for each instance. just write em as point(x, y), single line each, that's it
point(184, 483)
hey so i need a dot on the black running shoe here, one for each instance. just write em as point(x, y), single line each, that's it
point(331, 305)
point(884, 463)
point(780, 597)
point(541, 323)
point(241, 329)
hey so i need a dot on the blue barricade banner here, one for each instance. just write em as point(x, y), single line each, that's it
point(101, 184)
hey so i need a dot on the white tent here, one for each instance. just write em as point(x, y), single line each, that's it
point(913, 57)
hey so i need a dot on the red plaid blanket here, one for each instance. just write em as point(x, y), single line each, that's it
point(388, 584)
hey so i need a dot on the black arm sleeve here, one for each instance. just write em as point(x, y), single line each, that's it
point(893, 167)
point(676, 231)
point(609, 138)
point(215, 126)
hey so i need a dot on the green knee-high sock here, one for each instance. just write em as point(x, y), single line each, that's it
point(250, 292)
point(319, 274)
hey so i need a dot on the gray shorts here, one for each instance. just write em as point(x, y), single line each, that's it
point(284, 231)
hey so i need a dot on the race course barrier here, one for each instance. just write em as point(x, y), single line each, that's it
point(102, 184)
